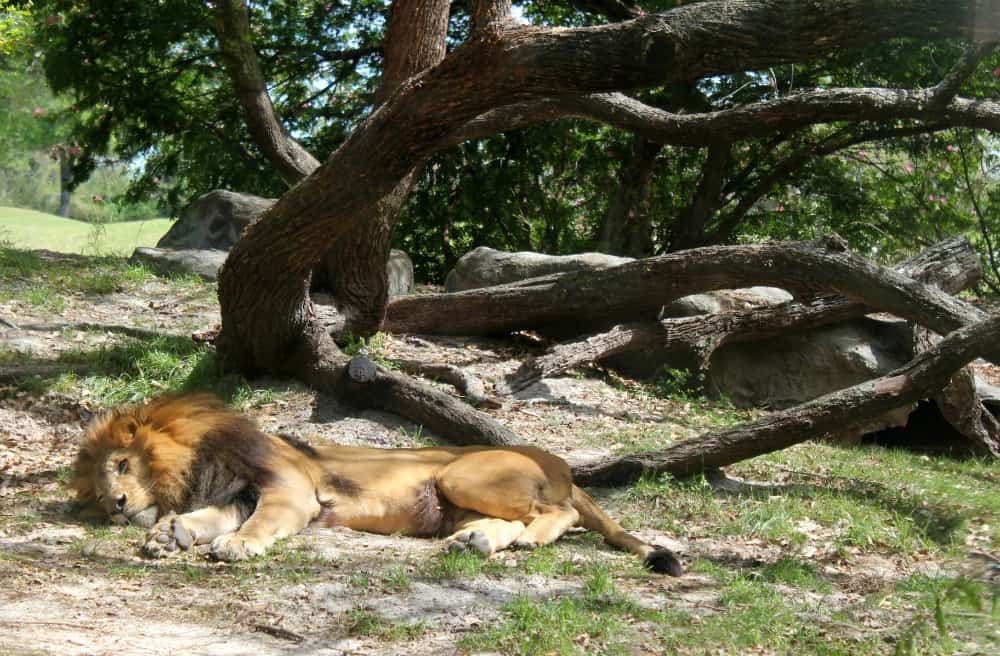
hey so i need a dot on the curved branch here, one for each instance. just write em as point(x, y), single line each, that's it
point(288, 156)
point(754, 120)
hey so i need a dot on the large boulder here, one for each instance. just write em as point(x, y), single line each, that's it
point(167, 261)
point(485, 267)
point(214, 221)
point(795, 368)
point(209, 226)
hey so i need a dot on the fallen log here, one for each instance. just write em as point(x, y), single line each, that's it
point(580, 302)
point(950, 266)
point(920, 378)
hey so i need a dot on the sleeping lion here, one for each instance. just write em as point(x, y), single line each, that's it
point(195, 472)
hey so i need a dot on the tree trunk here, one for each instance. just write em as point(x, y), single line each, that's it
point(626, 229)
point(689, 229)
point(923, 376)
point(354, 269)
point(951, 266)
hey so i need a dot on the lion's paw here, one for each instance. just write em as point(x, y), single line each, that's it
point(525, 543)
point(166, 536)
point(469, 540)
point(233, 546)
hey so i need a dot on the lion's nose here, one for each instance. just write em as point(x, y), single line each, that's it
point(120, 504)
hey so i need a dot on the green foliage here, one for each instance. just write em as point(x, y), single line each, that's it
point(370, 624)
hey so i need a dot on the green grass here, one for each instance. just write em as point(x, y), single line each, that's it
point(361, 622)
point(28, 229)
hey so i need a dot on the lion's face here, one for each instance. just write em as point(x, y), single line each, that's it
point(123, 488)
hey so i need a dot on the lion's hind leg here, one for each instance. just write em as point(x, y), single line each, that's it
point(510, 490)
point(173, 532)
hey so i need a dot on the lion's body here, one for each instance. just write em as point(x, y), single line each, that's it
point(200, 473)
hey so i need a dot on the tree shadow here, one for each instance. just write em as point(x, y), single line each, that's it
point(932, 519)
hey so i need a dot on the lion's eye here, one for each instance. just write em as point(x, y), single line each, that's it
point(122, 466)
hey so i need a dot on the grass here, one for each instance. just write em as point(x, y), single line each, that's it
point(361, 622)
point(28, 229)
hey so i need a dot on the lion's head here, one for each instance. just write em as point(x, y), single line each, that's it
point(136, 461)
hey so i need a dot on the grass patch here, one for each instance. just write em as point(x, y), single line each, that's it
point(600, 621)
point(28, 229)
point(136, 368)
point(459, 564)
point(361, 622)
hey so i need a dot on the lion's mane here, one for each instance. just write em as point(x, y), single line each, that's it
point(194, 446)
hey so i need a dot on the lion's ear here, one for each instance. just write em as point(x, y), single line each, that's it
point(129, 425)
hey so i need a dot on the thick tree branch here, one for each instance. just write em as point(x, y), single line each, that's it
point(489, 18)
point(921, 377)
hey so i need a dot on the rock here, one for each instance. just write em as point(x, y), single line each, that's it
point(202, 262)
point(725, 300)
point(485, 267)
point(214, 221)
point(399, 269)
point(794, 368)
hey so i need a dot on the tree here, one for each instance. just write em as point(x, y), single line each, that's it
point(504, 75)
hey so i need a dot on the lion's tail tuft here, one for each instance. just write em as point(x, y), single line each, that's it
point(659, 559)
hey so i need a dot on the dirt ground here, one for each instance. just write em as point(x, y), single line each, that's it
point(70, 587)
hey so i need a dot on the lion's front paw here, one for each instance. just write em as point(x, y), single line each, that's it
point(166, 536)
point(233, 546)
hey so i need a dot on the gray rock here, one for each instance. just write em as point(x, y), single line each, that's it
point(214, 221)
point(399, 269)
point(725, 300)
point(794, 368)
point(485, 267)
point(202, 262)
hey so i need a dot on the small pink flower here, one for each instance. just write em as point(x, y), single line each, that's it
point(74, 151)
point(996, 72)
point(943, 199)
point(862, 154)
point(97, 198)
point(39, 111)
point(53, 19)
point(908, 168)
point(950, 148)
point(155, 181)
point(781, 208)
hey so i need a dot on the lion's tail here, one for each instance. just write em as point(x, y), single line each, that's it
point(659, 559)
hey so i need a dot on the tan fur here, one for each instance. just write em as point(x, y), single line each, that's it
point(240, 490)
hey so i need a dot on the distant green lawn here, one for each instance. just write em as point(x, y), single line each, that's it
point(30, 229)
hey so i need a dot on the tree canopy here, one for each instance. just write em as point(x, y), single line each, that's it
point(153, 82)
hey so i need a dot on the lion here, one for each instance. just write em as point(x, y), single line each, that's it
point(195, 472)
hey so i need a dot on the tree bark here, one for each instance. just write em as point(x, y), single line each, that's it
point(921, 377)
point(952, 266)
